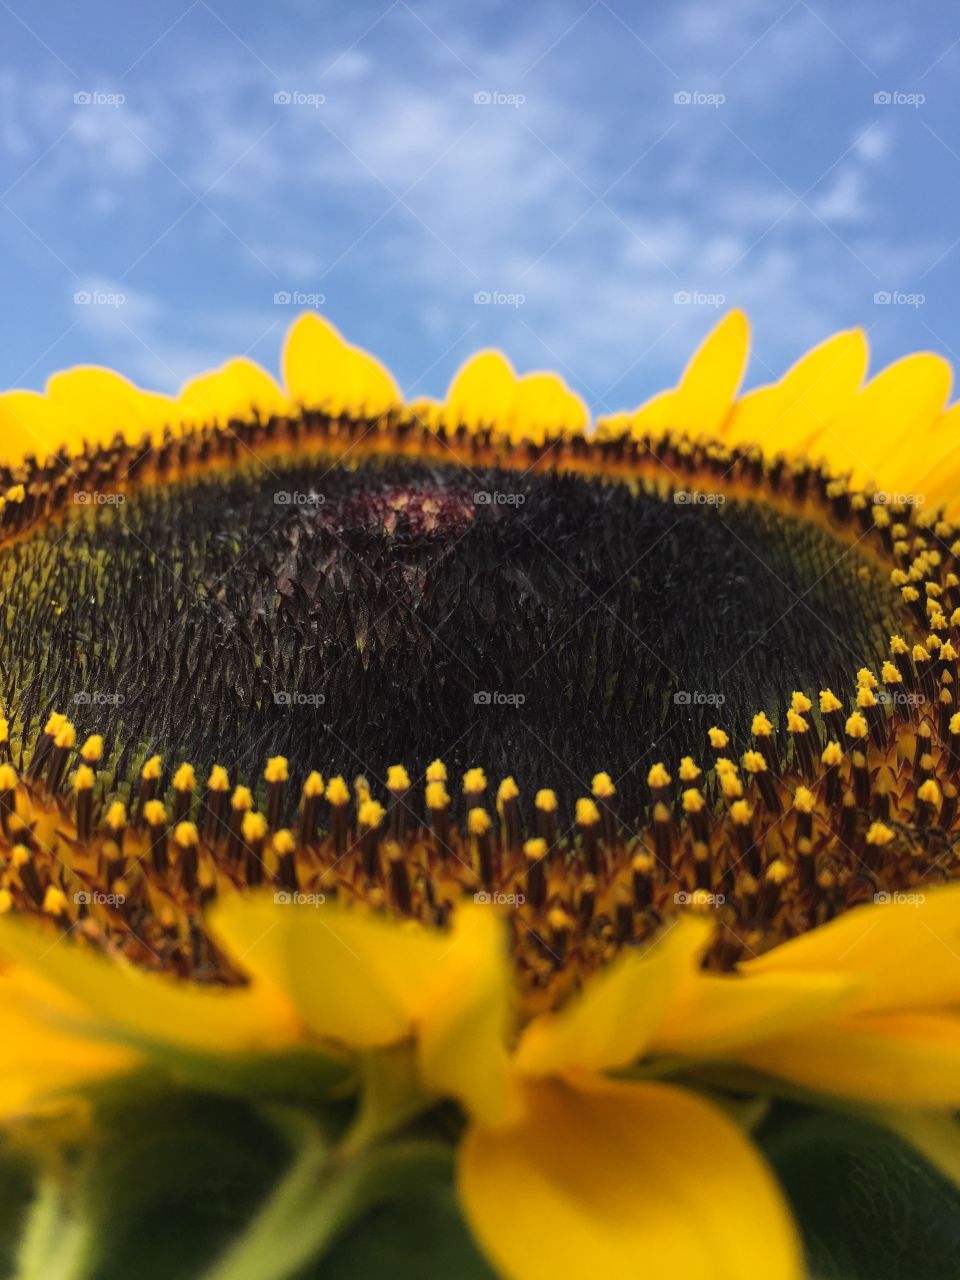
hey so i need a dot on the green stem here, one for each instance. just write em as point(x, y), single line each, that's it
point(318, 1198)
point(55, 1244)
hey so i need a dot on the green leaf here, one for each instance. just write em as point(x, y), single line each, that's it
point(422, 1237)
point(175, 1178)
point(868, 1206)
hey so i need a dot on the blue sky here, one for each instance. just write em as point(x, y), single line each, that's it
point(612, 175)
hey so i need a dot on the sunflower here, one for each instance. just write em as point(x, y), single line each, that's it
point(669, 831)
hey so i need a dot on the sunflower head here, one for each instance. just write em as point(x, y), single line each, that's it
point(690, 659)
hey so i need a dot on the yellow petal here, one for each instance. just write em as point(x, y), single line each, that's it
point(463, 1026)
point(29, 424)
point(85, 994)
point(38, 1059)
point(631, 1180)
point(98, 404)
point(817, 391)
point(894, 415)
point(937, 474)
point(610, 1023)
point(904, 955)
point(321, 370)
point(353, 978)
point(714, 1014)
point(705, 394)
point(545, 406)
point(235, 390)
point(483, 391)
point(897, 1059)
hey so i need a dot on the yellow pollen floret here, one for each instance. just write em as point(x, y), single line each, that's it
point(117, 815)
point(8, 777)
point(879, 834)
point(242, 799)
point(546, 801)
point(155, 813)
point(803, 800)
point(602, 786)
point(507, 790)
point(731, 786)
point(832, 754)
point(474, 780)
point(55, 901)
point(658, 776)
point(219, 779)
point(84, 778)
point(436, 771)
point(283, 843)
point(718, 738)
point(692, 800)
point(800, 703)
point(277, 769)
point(152, 769)
point(898, 645)
point(865, 697)
point(437, 797)
point(337, 791)
point(478, 822)
point(689, 770)
point(725, 767)
point(185, 778)
point(929, 793)
point(92, 749)
point(856, 726)
point(370, 814)
point(313, 784)
point(535, 849)
point(587, 813)
point(754, 762)
point(866, 679)
point(890, 674)
point(253, 828)
point(761, 726)
point(186, 835)
point(397, 778)
point(829, 702)
point(796, 723)
point(741, 812)
point(66, 737)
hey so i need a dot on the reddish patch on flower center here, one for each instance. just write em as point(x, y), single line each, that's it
point(408, 512)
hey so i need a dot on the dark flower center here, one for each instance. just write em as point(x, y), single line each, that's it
point(541, 625)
